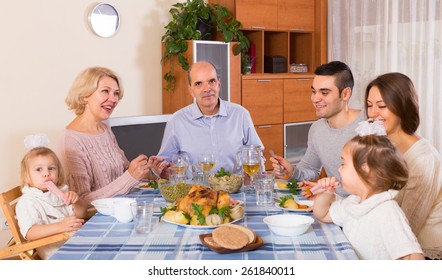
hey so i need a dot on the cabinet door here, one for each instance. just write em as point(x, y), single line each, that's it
point(298, 106)
point(296, 15)
point(257, 14)
point(272, 138)
point(263, 99)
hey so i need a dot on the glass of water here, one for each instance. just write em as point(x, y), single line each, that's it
point(264, 186)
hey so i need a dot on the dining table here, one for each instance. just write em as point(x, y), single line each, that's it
point(102, 237)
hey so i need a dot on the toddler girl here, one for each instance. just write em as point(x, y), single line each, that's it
point(42, 213)
point(372, 171)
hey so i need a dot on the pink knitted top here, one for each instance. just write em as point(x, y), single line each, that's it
point(95, 165)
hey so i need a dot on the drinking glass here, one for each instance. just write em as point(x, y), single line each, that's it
point(180, 164)
point(206, 162)
point(142, 212)
point(251, 161)
point(264, 184)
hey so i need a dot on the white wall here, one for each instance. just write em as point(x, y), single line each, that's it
point(45, 44)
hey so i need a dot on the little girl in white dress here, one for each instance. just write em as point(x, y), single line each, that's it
point(372, 171)
point(40, 212)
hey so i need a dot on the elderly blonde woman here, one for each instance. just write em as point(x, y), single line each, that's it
point(96, 167)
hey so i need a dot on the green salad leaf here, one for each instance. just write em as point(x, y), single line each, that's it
point(293, 187)
point(197, 209)
point(222, 172)
point(283, 199)
point(223, 212)
point(165, 209)
point(153, 184)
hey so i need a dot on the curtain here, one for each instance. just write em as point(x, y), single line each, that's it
point(378, 36)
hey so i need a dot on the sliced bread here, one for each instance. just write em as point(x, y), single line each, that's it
point(230, 237)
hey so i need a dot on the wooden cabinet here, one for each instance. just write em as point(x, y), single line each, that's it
point(272, 139)
point(293, 29)
point(296, 15)
point(257, 14)
point(297, 103)
point(264, 99)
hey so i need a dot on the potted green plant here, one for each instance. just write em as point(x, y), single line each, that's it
point(186, 17)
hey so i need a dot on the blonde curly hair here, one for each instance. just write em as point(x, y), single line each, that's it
point(85, 84)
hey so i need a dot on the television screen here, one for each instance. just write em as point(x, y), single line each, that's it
point(139, 135)
point(295, 140)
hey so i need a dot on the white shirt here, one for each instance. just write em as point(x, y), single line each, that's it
point(36, 207)
point(377, 228)
point(224, 134)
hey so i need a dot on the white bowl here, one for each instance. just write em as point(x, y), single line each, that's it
point(106, 205)
point(288, 225)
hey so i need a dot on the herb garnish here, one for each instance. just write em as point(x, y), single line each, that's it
point(283, 199)
point(165, 209)
point(293, 187)
point(224, 212)
point(153, 184)
point(222, 172)
point(197, 209)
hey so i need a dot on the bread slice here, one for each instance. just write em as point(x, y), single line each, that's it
point(230, 237)
point(211, 242)
point(251, 235)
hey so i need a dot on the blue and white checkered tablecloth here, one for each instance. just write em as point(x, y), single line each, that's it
point(103, 238)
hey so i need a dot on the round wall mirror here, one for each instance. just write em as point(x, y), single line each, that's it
point(104, 20)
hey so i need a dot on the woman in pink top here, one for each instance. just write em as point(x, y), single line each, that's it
point(96, 167)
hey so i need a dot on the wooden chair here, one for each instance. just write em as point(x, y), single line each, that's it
point(18, 245)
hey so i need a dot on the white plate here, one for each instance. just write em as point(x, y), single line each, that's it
point(195, 227)
point(309, 203)
point(145, 189)
point(240, 202)
point(281, 189)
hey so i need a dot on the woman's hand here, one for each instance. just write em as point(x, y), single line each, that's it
point(282, 166)
point(139, 168)
point(158, 166)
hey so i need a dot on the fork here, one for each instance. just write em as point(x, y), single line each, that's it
point(281, 172)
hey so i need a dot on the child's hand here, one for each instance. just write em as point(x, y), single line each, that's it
point(71, 223)
point(71, 197)
point(325, 184)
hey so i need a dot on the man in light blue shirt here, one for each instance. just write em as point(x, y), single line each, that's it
point(209, 124)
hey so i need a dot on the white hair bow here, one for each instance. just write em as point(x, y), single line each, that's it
point(375, 127)
point(38, 140)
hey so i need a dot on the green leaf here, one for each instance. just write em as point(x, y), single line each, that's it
point(283, 199)
point(224, 212)
point(197, 211)
point(186, 215)
point(213, 210)
point(222, 172)
point(164, 210)
point(153, 184)
point(294, 187)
